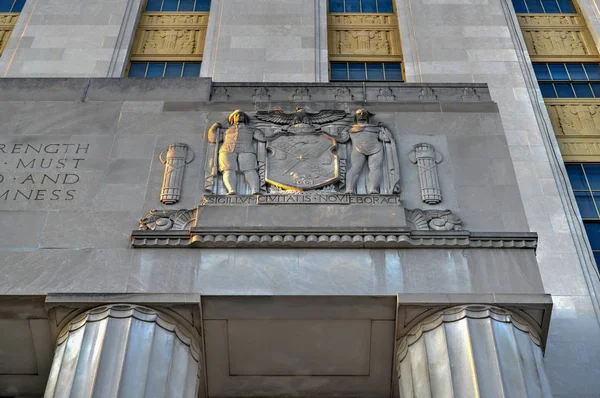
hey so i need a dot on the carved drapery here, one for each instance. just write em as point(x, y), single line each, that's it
point(170, 36)
point(576, 124)
point(7, 23)
point(364, 37)
point(557, 38)
point(126, 351)
point(471, 351)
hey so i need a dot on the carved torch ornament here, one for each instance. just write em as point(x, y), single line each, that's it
point(175, 158)
point(427, 159)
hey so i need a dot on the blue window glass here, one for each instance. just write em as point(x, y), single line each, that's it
point(173, 69)
point(155, 69)
point(593, 71)
point(385, 6)
point(153, 5)
point(534, 6)
point(186, 5)
point(582, 90)
point(566, 6)
point(596, 89)
point(18, 5)
point(558, 72)
point(576, 177)
point(576, 72)
point(357, 71)
point(191, 69)
point(369, 5)
point(138, 69)
point(393, 72)
point(551, 6)
point(564, 90)
point(593, 233)
point(202, 5)
point(170, 5)
point(339, 71)
point(541, 72)
point(375, 71)
point(519, 6)
point(336, 5)
point(585, 204)
point(352, 5)
point(592, 172)
point(547, 90)
point(597, 258)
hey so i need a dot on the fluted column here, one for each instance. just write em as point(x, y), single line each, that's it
point(471, 351)
point(124, 351)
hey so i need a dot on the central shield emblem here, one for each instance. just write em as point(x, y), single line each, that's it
point(302, 162)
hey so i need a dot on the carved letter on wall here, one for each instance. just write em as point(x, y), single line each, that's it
point(426, 158)
point(175, 160)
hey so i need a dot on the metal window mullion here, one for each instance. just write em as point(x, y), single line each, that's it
point(182, 68)
point(377, 6)
point(178, 5)
point(347, 69)
point(146, 72)
point(587, 182)
point(384, 71)
point(542, 5)
point(195, 4)
point(558, 5)
point(164, 69)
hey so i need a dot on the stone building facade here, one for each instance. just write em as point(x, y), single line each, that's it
point(313, 200)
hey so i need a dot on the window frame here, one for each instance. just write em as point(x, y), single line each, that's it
point(145, 7)
point(361, 6)
point(572, 82)
point(400, 63)
point(573, 3)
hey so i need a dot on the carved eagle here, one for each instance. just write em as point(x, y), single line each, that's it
point(301, 116)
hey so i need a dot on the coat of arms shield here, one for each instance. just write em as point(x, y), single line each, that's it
point(302, 162)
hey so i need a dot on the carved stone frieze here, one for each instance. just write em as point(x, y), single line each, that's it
point(343, 238)
point(433, 220)
point(469, 94)
point(220, 94)
point(548, 36)
point(171, 34)
point(386, 94)
point(574, 117)
point(301, 94)
point(280, 153)
point(343, 94)
point(427, 94)
point(168, 220)
point(558, 42)
point(261, 94)
point(7, 23)
point(365, 35)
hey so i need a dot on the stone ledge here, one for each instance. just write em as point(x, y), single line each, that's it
point(346, 238)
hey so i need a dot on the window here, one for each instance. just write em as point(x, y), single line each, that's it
point(569, 80)
point(11, 5)
point(170, 39)
point(369, 71)
point(164, 69)
point(544, 7)
point(585, 180)
point(365, 6)
point(177, 5)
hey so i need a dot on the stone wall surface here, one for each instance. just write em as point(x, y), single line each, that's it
point(78, 175)
point(452, 41)
point(73, 38)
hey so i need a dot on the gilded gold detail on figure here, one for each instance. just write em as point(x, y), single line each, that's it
point(366, 36)
point(173, 35)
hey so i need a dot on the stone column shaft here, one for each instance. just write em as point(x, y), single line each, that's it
point(123, 351)
point(471, 351)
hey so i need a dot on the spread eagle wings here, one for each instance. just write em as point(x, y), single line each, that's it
point(278, 117)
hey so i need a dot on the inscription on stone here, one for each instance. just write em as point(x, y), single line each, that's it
point(41, 171)
point(313, 198)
